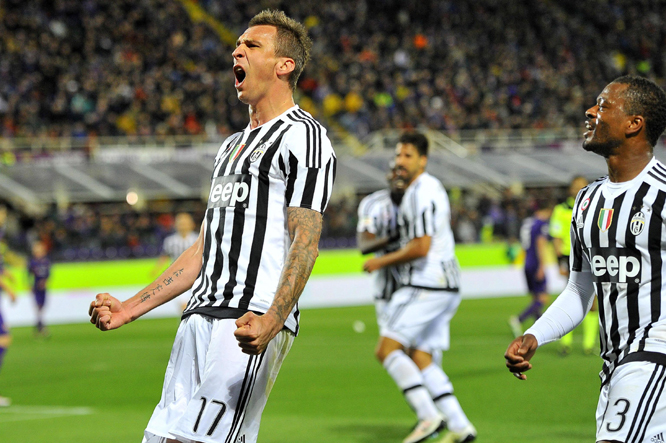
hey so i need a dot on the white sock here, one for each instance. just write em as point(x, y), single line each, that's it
point(407, 376)
point(441, 389)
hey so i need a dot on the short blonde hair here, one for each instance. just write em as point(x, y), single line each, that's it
point(292, 40)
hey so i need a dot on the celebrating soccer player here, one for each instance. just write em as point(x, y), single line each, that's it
point(417, 317)
point(255, 251)
point(618, 252)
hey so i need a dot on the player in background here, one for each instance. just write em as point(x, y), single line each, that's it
point(256, 248)
point(5, 336)
point(418, 314)
point(534, 239)
point(39, 270)
point(174, 245)
point(377, 231)
point(560, 232)
point(618, 253)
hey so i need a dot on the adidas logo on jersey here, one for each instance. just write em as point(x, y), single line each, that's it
point(230, 191)
point(659, 438)
point(615, 265)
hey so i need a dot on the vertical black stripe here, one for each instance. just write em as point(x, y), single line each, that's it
point(260, 226)
point(234, 253)
point(291, 180)
point(640, 403)
point(594, 242)
point(309, 188)
point(649, 412)
point(238, 226)
point(324, 198)
point(335, 168)
point(615, 291)
point(308, 135)
point(654, 249)
point(316, 135)
point(249, 372)
point(633, 312)
point(197, 292)
point(246, 399)
point(219, 258)
point(425, 223)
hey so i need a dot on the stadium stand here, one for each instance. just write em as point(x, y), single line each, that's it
point(96, 93)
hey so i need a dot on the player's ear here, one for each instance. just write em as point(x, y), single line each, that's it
point(635, 124)
point(285, 66)
point(423, 161)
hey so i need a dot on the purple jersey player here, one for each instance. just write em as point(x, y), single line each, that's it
point(534, 238)
point(39, 268)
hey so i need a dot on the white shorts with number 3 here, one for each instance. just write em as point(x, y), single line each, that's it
point(632, 405)
point(212, 391)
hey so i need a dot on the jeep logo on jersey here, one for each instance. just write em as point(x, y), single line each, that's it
point(637, 223)
point(615, 265)
point(230, 191)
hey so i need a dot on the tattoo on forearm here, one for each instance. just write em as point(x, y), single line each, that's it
point(158, 287)
point(304, 229)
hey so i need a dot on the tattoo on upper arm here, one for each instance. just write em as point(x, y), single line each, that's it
point(304, 230)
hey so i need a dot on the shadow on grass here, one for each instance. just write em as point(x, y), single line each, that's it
point(371, 433)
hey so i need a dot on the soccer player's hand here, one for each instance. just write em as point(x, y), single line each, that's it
point(107, 312)
point(371, 265)
point(519, 353)
point(255, 332)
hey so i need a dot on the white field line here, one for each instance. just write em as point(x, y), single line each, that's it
point(25, 413)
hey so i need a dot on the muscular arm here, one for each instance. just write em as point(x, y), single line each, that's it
point(108, 313)
point(255, 332)
point(304, 229)
point(415, 249)
point(369, 242)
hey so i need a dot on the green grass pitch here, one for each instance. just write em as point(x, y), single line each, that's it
point(83, 385)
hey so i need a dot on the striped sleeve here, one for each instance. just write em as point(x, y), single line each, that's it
point(576, 254)
point(310, 165)
point(366, 217)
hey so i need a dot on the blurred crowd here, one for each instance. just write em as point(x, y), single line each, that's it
point(80, 68)
point(116, 230)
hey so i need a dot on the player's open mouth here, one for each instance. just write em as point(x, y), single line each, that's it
point(589, 128)
point(239, 73)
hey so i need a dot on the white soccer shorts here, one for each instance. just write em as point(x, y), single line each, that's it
point(380, 307)
point(419, 318)
point(632, 407)
point(212, 391)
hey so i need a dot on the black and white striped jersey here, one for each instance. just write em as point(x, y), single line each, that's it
point(378, 215)
point(618, 229)
point(258, 174)
point(175, 244)
point(425, 210)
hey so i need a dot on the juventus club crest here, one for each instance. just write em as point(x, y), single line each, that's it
point(605, 219)
point(259, 150)
point(637, 223)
